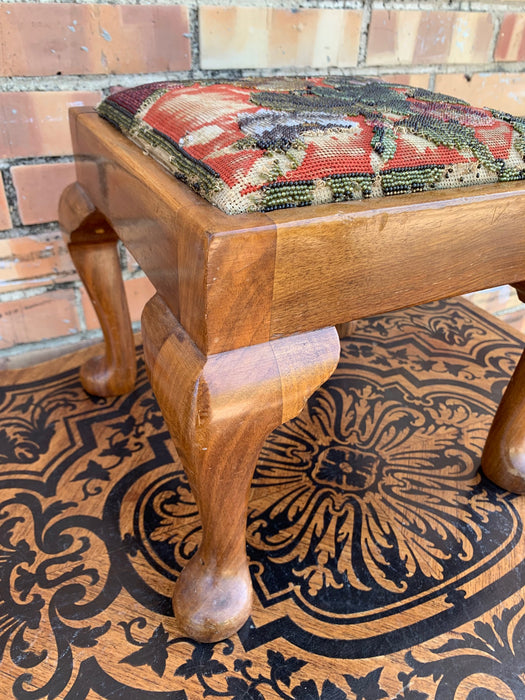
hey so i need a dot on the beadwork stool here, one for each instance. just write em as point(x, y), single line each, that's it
point(242, 328)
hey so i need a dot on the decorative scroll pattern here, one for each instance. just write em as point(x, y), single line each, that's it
point(370, 534)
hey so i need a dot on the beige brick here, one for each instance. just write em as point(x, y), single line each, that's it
point(38, 189)
point(36, 123)
point(471, 38)
point(421, 80)
point(511, 38)
point(138, 291)
point(34, 260)
point(68, 38)
point(415, 37)
point(505, 91)
point(263, 37)
point(5, 216)
point(48, 315)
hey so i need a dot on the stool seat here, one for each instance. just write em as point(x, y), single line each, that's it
point(265, 144)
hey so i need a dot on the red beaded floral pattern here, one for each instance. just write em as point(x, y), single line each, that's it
point(264, 144)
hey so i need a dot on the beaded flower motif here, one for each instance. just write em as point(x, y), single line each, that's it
point(264, 144)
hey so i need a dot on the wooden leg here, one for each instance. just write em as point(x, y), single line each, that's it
point(503, 459)
point(93, 247)
point(219, 410)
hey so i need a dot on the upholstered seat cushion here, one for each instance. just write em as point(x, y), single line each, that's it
point(263, 144)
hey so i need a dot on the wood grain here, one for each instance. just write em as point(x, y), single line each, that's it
point(93, 247)
point(219, 410)
point(192, 239)
point(344, 330)
point(365, 258)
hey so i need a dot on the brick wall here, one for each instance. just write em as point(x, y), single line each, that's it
point(57, 54)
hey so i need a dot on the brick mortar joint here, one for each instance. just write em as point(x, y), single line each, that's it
point(79, 307)
point(497, 22)
point(58, 342)
point(23, 231)
point(104, 83)
point(365, 28)
point(39, 290)
point(16, 161)
point(12, 199)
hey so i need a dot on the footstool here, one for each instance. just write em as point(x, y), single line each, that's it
point(265, 222)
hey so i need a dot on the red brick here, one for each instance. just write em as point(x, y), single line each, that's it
point(36, 123)
point(505, 91)
point(266, 37)
point(405, 37)
point(69, 38)
point(38, 189)
point(34, 260)
point(511, 39)
point(48, 315)
point(138, 291)
point(5, 217)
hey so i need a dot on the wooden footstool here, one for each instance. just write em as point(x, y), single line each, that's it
point(276, 229)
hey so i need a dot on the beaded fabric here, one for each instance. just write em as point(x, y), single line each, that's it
point(264, 144)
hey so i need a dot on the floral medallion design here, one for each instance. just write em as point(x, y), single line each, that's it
point(376, 548)
point(389, 531)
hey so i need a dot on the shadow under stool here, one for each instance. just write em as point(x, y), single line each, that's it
point(277, 230)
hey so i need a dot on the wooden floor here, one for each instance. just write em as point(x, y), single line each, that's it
point(384, 564)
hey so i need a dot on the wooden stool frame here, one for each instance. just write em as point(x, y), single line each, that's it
point(242, 328)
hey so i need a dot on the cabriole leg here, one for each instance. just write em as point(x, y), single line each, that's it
point(219, 410)
point(503, 459)
point(93, 247)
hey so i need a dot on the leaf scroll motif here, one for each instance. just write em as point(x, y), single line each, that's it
point(40, 591)
point(494, 649)
point(352, 469)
